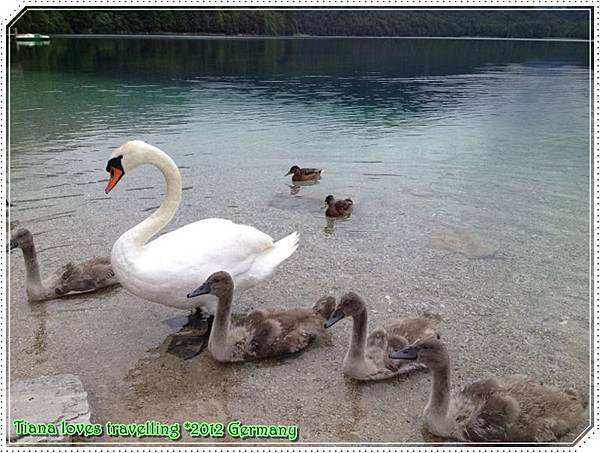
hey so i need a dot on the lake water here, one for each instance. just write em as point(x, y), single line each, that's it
point(468, 162)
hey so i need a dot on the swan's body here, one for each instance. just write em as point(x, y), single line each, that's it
point(510, 409)
point(367, 358)
point(164, 269)
point(86, 276)
point(261, 333)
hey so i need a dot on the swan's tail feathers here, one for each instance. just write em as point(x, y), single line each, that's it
point(268, 260)
point(282, 250)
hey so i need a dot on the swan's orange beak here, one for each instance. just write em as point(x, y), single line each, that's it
point(115, 175)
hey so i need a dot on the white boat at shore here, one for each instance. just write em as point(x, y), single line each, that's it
point(35, 37)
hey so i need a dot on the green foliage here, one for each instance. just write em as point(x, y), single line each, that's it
point(522, 24)
point(44, 21)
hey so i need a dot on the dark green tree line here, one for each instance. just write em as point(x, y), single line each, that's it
point(511, 24)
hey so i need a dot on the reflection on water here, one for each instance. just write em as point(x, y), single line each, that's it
point(20, 44)
point(329, 227)
point(370, 86)
point(331, 222)
point(295, 186)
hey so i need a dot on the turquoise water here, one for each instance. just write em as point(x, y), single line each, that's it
point(468, 162)
point(460, 117)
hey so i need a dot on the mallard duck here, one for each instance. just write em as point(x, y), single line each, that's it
point(367, 358)
point(262, 333)
point(510, 409)
point(304, 174)
point(338, 208)
point(86, 276)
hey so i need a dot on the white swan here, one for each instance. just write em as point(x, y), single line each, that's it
point(166, 269)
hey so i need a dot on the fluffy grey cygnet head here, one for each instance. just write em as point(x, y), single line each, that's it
point(218, 284)
point(351, 304)
point(429, 351)
point(325, 306)
point(22, 238)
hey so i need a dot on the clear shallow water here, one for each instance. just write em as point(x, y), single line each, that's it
point(468, 162)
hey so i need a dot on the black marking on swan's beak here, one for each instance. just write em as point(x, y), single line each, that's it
point(204, 289)
point(115, 168)
point(408, 353)
point(334, 317)
point(13, 244)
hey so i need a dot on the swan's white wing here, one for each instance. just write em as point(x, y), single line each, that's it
point(210, 239)
point(193, 252)
point(166, 269)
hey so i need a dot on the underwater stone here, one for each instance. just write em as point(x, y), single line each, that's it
point(48, 399)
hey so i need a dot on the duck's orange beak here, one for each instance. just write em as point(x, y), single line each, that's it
point(115, 175)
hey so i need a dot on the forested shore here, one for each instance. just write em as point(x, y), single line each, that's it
point(531, 23)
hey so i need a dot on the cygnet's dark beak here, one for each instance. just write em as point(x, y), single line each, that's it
point(288, 173)
point(13, 244)
point(408, 353)
point(335, 317)
point(204, 289)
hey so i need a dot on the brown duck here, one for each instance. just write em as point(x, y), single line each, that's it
point(304, 174)
point(338, 208)
point(262, 333)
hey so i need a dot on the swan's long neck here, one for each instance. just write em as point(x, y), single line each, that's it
point(34, 286)
point(146, 230)
point(440, 390)
point(33, 280)
point(220, 328)
point(358, 343)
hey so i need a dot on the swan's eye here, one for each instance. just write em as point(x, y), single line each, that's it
point(425, 347)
